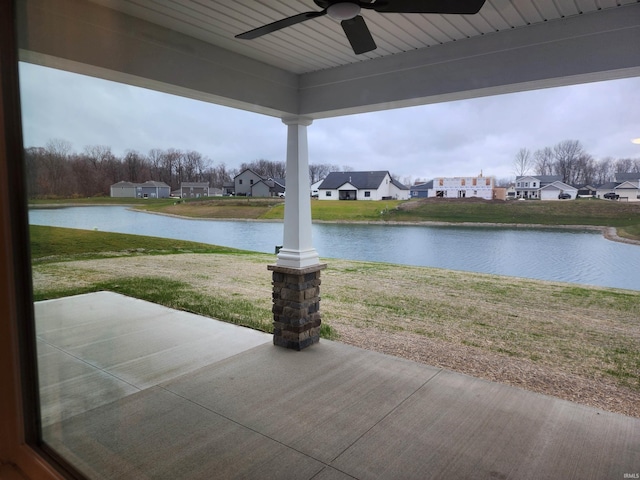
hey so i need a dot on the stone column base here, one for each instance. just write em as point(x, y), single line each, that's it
point(296, 306)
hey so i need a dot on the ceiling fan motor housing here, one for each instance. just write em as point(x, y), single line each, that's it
point(343, 10)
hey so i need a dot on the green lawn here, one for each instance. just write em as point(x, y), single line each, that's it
point(345, 211)
point(576, 212)
point(53, 244)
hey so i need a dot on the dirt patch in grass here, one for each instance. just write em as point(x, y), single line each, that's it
point(574, 342)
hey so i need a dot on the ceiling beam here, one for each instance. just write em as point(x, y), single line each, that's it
point(86, 38)
point(597, 46)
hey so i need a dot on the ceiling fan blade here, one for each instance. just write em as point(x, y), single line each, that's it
point(425, 6)
point(358, 35)
point(279, 24)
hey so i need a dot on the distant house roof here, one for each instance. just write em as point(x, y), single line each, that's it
point(422, 186)
point(401, 186)
point(274, 186)
point(280, 181)
point(123, 184)
point(151, 183)
point(148, 183)
point(559, 186)
point(194, 184)
point(360, 180)
point(608, 186)
point(623, 177)
point(543, 178)
point(249, 170)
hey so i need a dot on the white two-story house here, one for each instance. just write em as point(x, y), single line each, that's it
point(529, 186)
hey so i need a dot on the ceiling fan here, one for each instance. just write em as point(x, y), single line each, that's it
point(354, 26)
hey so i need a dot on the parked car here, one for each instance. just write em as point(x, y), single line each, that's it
point(564, 196)
point(611, 196)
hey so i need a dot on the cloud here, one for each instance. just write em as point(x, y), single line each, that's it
point(448, 139)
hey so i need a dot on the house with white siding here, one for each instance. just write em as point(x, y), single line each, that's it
point(625, 188)
point(378, 185)
point(556, 190)
point(529, 186)
point(606, 189)
point(628, 191)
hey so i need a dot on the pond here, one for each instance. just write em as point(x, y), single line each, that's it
point(575, 256)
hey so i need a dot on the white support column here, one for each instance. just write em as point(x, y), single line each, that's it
point(297, 248)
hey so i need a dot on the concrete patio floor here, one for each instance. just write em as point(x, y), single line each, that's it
point(130, 389)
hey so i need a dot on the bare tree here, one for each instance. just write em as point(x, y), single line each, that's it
point(170, 172)
point(408, 180)
point(155, 160)
point(136, 166)
point(566, 155)
point(585, 170)
point(193, 166)
point(523, 162)
point(218, 175)
point(33, 159)
point(56, 168)
point(98, 165)
point(543, 161)
point(603, 171)
point(266, 168)
point(627, 165)
point(318, 171)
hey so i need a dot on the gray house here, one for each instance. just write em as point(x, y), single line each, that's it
point(420, 190)
point(268, 188)
point(243, 182)
point(149, 189)
point(194, 189)
point(123, 190)
point(228, 188)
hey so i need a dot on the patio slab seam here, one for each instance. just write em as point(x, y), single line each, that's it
point(90, 364)
point(381, 419)
point(243, 425)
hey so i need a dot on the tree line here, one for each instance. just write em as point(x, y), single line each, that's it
point(569, 160)
point(55, 170)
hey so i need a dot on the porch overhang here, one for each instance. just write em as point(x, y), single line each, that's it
point(88, 38)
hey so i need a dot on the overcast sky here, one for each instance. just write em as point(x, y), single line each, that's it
point(450, 139)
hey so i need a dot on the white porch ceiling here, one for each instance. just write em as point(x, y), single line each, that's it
point(321, 44)
point(187, 47)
